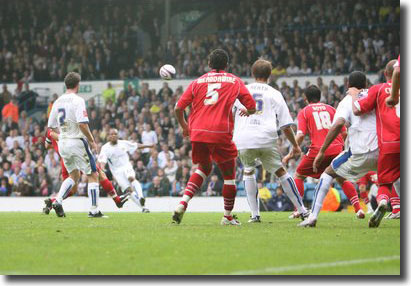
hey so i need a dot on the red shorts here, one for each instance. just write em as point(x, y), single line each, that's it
point(218, 152)
point(305, 168)
point(389, 167)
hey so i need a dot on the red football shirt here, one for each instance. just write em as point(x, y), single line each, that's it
point(212, 97)
point(370, 177)
point(51, 141)
point(316, 120)
point(388, 118)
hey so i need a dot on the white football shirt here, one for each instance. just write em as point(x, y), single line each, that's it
point(67, 112)
point(362, 130)
point(117, 155)
point(260, 129)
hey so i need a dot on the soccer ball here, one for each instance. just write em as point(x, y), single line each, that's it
point(167, 72)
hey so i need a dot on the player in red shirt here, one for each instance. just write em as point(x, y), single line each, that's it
point(210, 127)
point(51, 142)
point(388, 131)
point(315, 120)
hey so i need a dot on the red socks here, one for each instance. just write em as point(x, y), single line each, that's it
point(229, 188)
point(395, 201)
point(108, 188)
point(351, 193)
point(384, 193)
point(194, 184)
point(300, 186)
point(364, 197)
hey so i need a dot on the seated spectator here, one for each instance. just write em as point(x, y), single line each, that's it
point(156, 189)
point(214, 187)
point(292, 69)
point(164, 155)
point(5, 188)
point(280, 202)
point(171, 170)
point(142, 173)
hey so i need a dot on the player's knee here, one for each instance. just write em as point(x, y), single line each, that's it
point(204, 168)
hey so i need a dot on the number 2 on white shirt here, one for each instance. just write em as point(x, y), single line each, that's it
point(212, 93)
point(322, 120)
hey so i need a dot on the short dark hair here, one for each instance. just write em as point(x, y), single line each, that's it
point(357, 79)
point(261, 69)
point(72, 79)
point(312, 93)
point(218, 59)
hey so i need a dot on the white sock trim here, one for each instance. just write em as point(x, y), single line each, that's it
point(201, 173)
point(229, 182)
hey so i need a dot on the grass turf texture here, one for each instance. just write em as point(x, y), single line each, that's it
point(135, 243)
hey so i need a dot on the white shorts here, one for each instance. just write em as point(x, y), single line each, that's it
point(354, 166)
point(76, 155)
point(269, 157)
point(121, 176)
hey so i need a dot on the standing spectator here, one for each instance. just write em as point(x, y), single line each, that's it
point(148, 137)
point(109, 94)
point(11, 110)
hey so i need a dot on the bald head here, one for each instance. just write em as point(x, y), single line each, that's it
point(113, 136)
point(389, 69)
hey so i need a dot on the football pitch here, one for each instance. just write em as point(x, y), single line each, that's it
point(149, 244)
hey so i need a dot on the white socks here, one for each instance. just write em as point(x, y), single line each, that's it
point(137, 187)
point(290, 189)
point(137, 194)
point(93, 191)
point(321, 191)
point(65, 188)
point(397, 186)
point(251, 189)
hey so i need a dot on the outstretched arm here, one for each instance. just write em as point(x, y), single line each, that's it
point(335, 130)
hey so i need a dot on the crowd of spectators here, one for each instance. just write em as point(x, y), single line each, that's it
point(42, 40)
point(143, 115)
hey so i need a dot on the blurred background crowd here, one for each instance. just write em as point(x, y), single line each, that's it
point(43, 40)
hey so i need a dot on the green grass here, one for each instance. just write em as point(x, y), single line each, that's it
point(135, 243)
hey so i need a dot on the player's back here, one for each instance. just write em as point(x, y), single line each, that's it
point(316, 120)
point(69, 110)
point(212, 97)
point(260, 130)
point(388, 121)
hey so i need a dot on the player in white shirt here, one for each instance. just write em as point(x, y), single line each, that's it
point(362, 154)
point(116, 154)
point(69, 116)
point(256, 138)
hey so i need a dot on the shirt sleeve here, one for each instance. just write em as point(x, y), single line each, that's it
point(81, 112)
point(368, 103)
point(302, 123)
point(102, 157)
point(187, 98)
point(52, 122)
point(282, 111)
point(131, 146)
point(344, 110)
point(245, 97)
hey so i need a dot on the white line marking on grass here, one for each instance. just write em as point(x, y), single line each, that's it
point(314, 265)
